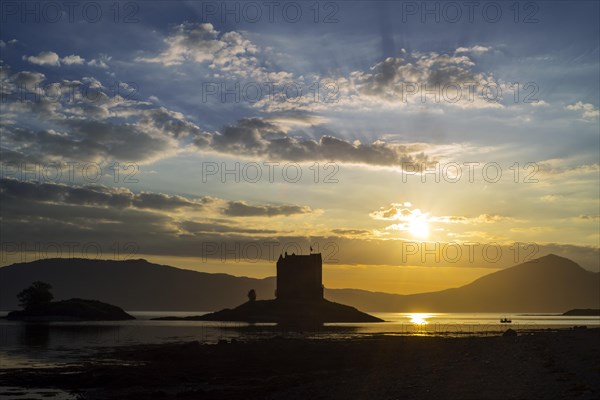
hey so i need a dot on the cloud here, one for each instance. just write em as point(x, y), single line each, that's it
point(404, 216)
point(189, 42)
point(410, 80)
point(101, 62)
point(101, 128)
point(474, 49)
point(4, 44)
point(550, 198)
point(241, 209)
point(93, 141)
point(4, 74)
point(50, 58)
point(92, 82)
point(351, 232)
point(590, 217)
point(416, 76)
point(588, 110)
point(258, 137)
point(295, 118)
point(404, 212)
point(533, 229)
point(539, 103)
point(87, 124)
point(156, 223)
point(119, 198)
point(196, 228)
point(230, 55)
point(395, 211)
point(44, 58)
point(228, 52)
point(162, 120)
point(561, 168)
point(227, 55)
point(73, 60)
point(95, 195)
point(50, 214)
point(490, 218)
point(27, 79)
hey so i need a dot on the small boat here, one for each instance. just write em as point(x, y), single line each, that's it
point(505, 320)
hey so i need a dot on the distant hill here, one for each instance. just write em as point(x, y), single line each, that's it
point(548, 284)
point(132, 284)
point(587, 312)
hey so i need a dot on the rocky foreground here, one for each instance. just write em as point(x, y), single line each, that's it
point(541, 365)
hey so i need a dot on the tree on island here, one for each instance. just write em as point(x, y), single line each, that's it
point(36, 294)
point(252, 295)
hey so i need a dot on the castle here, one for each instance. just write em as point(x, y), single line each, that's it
point(299, 278)
point(299, 299)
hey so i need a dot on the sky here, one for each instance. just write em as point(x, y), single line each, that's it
point(416, 145)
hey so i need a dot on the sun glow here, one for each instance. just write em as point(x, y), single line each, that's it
point(419, 228)
point(419, 318)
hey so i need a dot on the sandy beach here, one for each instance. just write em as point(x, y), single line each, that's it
point(538, 365)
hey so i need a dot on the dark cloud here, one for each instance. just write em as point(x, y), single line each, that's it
point(212, 227)
point(241, 209)
point(27, 79)
point(161, 201)
point(351, 232)
point(169, 122)
point(393, 212)
point(256, 137)
point(13, 190)
point(45, 215)
point(94, 195)
point(50, 214)
point(96, 140)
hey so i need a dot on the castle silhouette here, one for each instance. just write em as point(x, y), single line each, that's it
point(299, 278)
point(299, 299)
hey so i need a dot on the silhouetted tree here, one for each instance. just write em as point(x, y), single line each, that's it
point(252, 295)
point(36, 294)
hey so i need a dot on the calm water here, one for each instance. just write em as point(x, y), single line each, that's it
point(62, 343)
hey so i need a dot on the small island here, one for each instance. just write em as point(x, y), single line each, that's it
point(299, 299)
point(37, 305)
point(285, 313)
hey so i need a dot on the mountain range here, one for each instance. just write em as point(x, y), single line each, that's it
point(547, 284)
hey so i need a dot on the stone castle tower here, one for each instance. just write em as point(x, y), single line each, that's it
point(299, 278)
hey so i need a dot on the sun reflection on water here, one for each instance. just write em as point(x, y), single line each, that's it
point(419, 318)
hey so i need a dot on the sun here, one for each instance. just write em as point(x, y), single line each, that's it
point(419, 228)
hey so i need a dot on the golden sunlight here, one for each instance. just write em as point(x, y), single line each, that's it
point(419, 228)
point(419, 318)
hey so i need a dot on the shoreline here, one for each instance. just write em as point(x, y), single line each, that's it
point(562, 363)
